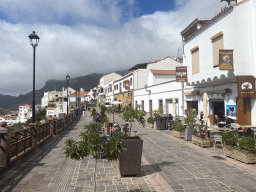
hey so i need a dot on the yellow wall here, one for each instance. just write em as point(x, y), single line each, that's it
point(123, 97)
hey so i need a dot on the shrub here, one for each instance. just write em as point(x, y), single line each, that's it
point(150, 120)
point(178, 126)
point(230, 139)
point(247, 144)
point(103, 109)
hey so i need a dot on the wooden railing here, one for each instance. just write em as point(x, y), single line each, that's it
point(21, 141)
point(18, 143)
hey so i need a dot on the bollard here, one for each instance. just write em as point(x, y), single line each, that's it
point(34, 130)
point(5, 144)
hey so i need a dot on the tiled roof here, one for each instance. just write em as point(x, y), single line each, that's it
point(26, 105)
point(80, 93)
point(50, 108)
point(163, 72)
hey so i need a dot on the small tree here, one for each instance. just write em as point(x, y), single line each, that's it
point(191, 119)
point(103, 109)
point(112, 110)
point(130, 114)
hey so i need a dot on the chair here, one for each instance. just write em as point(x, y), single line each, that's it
point(217, 137)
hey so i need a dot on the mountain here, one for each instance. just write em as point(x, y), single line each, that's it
point(87, 82)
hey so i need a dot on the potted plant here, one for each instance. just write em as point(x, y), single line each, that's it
point(130, 159)
point(150, 121)
point(245, 151)
point(159, 119)
point(179, 130)
point(190, 121)
point(91, 142)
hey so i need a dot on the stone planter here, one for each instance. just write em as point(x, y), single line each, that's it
point(202, 142)
point(151, 125)
point(160, 124)
point(188, 134)
point(240, 155)
point(178, 134)
point(130, 159)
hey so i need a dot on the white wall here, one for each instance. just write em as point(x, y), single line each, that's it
point(163, 91)
point(237, 36)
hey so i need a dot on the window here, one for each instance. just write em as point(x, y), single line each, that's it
point(160, 105)
point(142, 105)
point(131, 82)
point(195, 60)
point(217, 44)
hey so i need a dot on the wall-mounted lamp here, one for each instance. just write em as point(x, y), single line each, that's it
point(228, 91)
point(146, 89)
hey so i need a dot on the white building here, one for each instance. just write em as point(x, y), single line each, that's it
point(104, 83)
point(25, 112)
point(233, 28)
point(50, 96)
point(155, 85)
point(9, 119)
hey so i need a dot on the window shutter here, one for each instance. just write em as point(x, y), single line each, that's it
point(195, 61)
point(217, 44)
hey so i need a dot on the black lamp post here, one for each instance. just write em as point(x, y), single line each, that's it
point(34, 39)
point(67, 78)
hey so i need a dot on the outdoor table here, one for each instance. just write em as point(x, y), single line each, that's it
point(221, 124)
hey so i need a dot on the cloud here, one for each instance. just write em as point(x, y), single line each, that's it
point(102, 42)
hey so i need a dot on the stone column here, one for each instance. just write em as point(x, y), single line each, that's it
point(34, 130)
point(5, 143)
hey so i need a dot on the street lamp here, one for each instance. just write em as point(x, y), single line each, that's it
point(34, 39)
point(67, 78)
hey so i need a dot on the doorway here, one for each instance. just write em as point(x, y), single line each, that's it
point(243, 110)
point(150, 108)
point(216, 108)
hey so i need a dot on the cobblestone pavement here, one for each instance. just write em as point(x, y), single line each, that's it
point(168, 164)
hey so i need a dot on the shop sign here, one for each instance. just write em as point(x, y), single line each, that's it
point(127, 85)
point(181, 74)
point(246, 86)
point(226, 59)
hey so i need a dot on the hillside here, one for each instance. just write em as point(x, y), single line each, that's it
point(87, 82)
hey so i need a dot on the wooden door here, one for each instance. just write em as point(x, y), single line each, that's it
point(243, 107)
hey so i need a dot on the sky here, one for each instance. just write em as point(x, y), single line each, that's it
point(86, 36)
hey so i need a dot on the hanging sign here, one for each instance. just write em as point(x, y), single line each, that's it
point(246, 86)
point(127, 85)
point(226, 59)
point(181, 74)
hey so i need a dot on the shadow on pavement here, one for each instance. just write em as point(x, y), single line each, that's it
point(154, 168)
point(11, 179)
